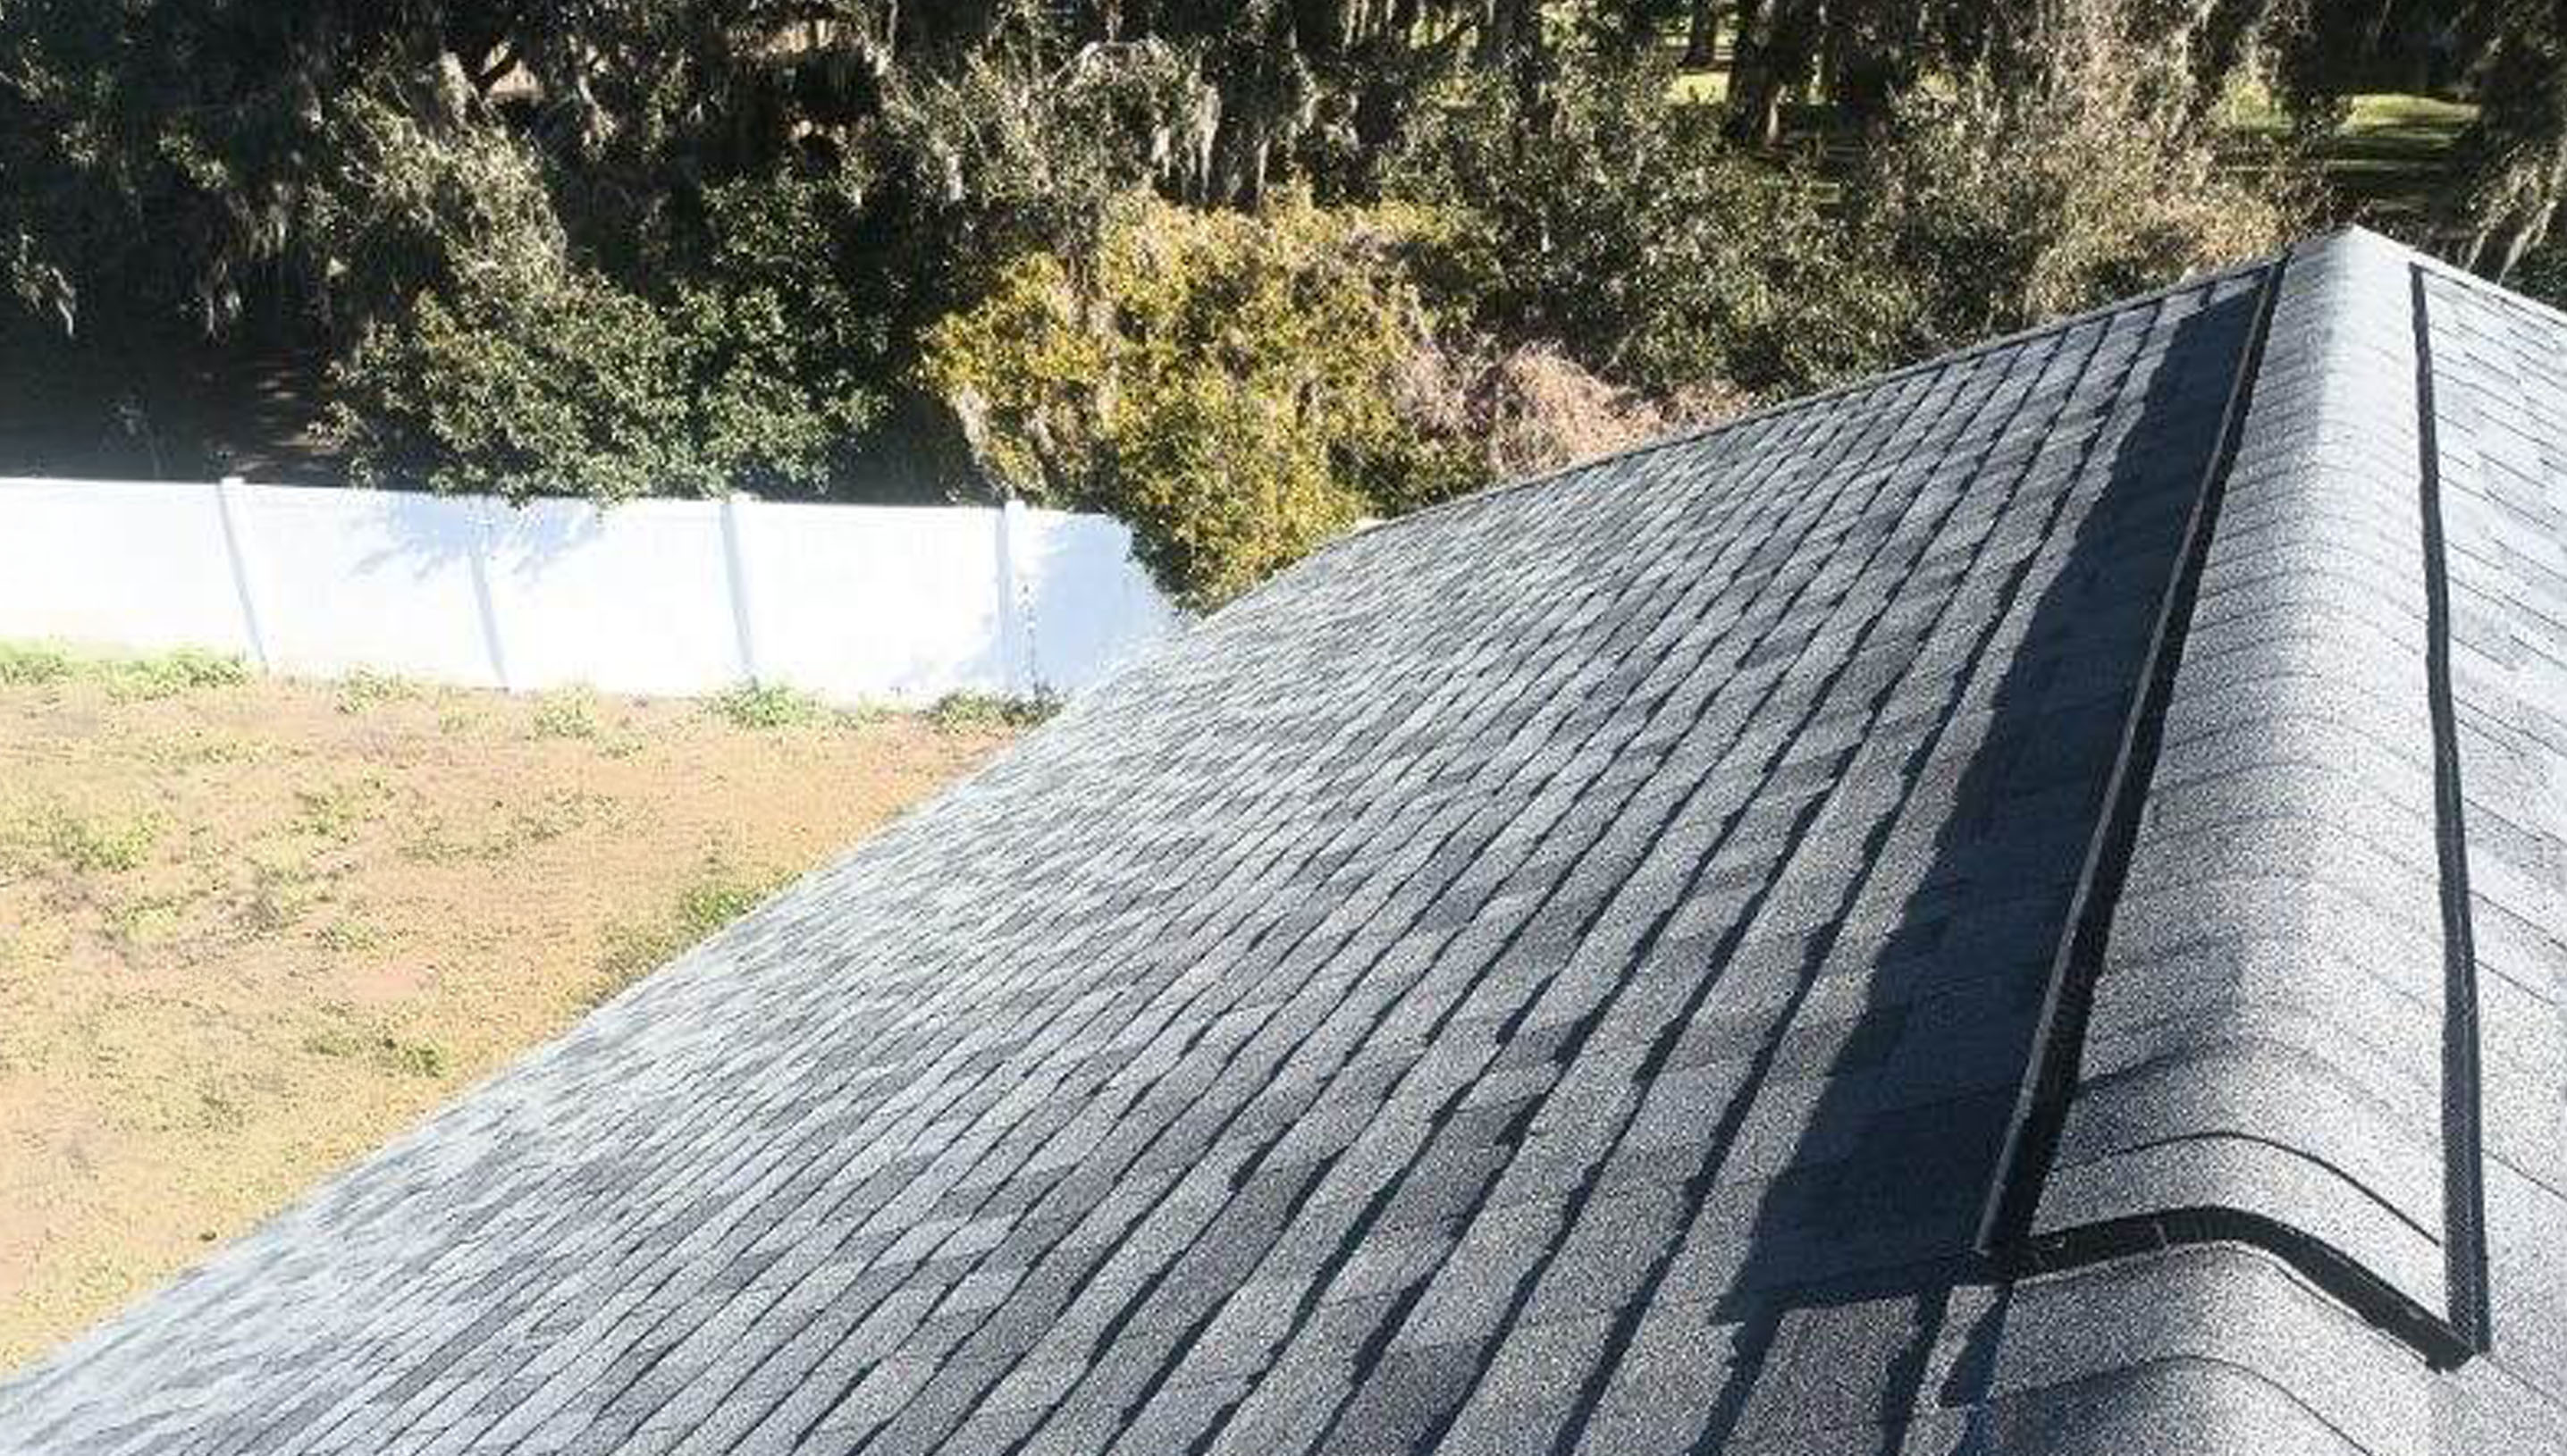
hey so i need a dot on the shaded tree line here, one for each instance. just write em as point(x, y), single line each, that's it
point(689, 246)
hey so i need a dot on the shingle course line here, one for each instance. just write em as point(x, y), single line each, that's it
point(1725, 1131)
point(1107, 1252)
point(1784, 613)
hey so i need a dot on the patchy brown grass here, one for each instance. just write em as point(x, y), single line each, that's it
point(250, 930)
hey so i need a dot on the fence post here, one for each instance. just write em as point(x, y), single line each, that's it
point(1016, 635)
point(481, 507)
point(735, 563)
point(227, 510)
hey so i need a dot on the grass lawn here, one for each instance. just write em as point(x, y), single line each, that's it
point(2389, 163)
point(250, 928)
point(2391, 159)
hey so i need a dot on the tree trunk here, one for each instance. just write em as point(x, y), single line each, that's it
point(1702, 36)
point(2515, 152)
point(1511, 43)
point(1773, 62)
point(1872, 53)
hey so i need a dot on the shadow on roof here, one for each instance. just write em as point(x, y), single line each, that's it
point(1874, 1215)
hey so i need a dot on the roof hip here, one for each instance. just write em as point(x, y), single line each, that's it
point(2260, 1028)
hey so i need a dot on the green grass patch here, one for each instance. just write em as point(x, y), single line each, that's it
point(174, 673)
point(758, 706)
point(348, 937)
point(380, 1048)
point(96, 843)
point(988, 711)
point(332, 814)
point(362, 689)
point(281, 892)
point(1700, 88)
point(568, 713)
point(516, 828)
point(26, 664)
point(160, 675)
point(2388, 159)
point(716, 896)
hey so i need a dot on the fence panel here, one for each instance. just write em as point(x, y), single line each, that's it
point(105, 561)
point(348, 579)
point(851, 603)
point(854, 602)
point(632, 600)
point(1079, 597)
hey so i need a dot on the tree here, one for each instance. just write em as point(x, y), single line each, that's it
point(1619, 227)
point(2002, 206)
point(412, 189)
point(2515, 152)
point(535, 374)
point(1775, 55)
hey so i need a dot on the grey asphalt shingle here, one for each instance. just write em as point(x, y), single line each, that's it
point(1560, 973)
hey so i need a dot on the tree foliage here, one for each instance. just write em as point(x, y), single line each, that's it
point(531, 374)
point(2517, 146)
point(1241, 270)
point(1621, 225)
point(1999, 207)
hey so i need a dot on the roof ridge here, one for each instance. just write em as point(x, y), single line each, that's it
point(2453, 273)
point(2247, 859)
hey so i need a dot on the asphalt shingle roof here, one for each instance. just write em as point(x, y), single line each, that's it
point(2014, 907)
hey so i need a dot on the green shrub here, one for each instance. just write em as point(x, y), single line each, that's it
point(173, 673)
point(716, 896)
point(27, 664)
point(991, 711)
point(538, 376)
point(126, 679)
point(2000, 208)
point(1224, 383)
point(1618, 224)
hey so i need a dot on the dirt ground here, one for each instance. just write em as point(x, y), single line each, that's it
point(251, 930)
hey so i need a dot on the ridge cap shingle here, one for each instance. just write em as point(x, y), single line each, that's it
point(2315, 1156)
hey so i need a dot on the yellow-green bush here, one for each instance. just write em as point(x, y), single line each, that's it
point(1225, 383)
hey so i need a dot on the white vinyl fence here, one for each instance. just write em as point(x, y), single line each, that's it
point(849, 603)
